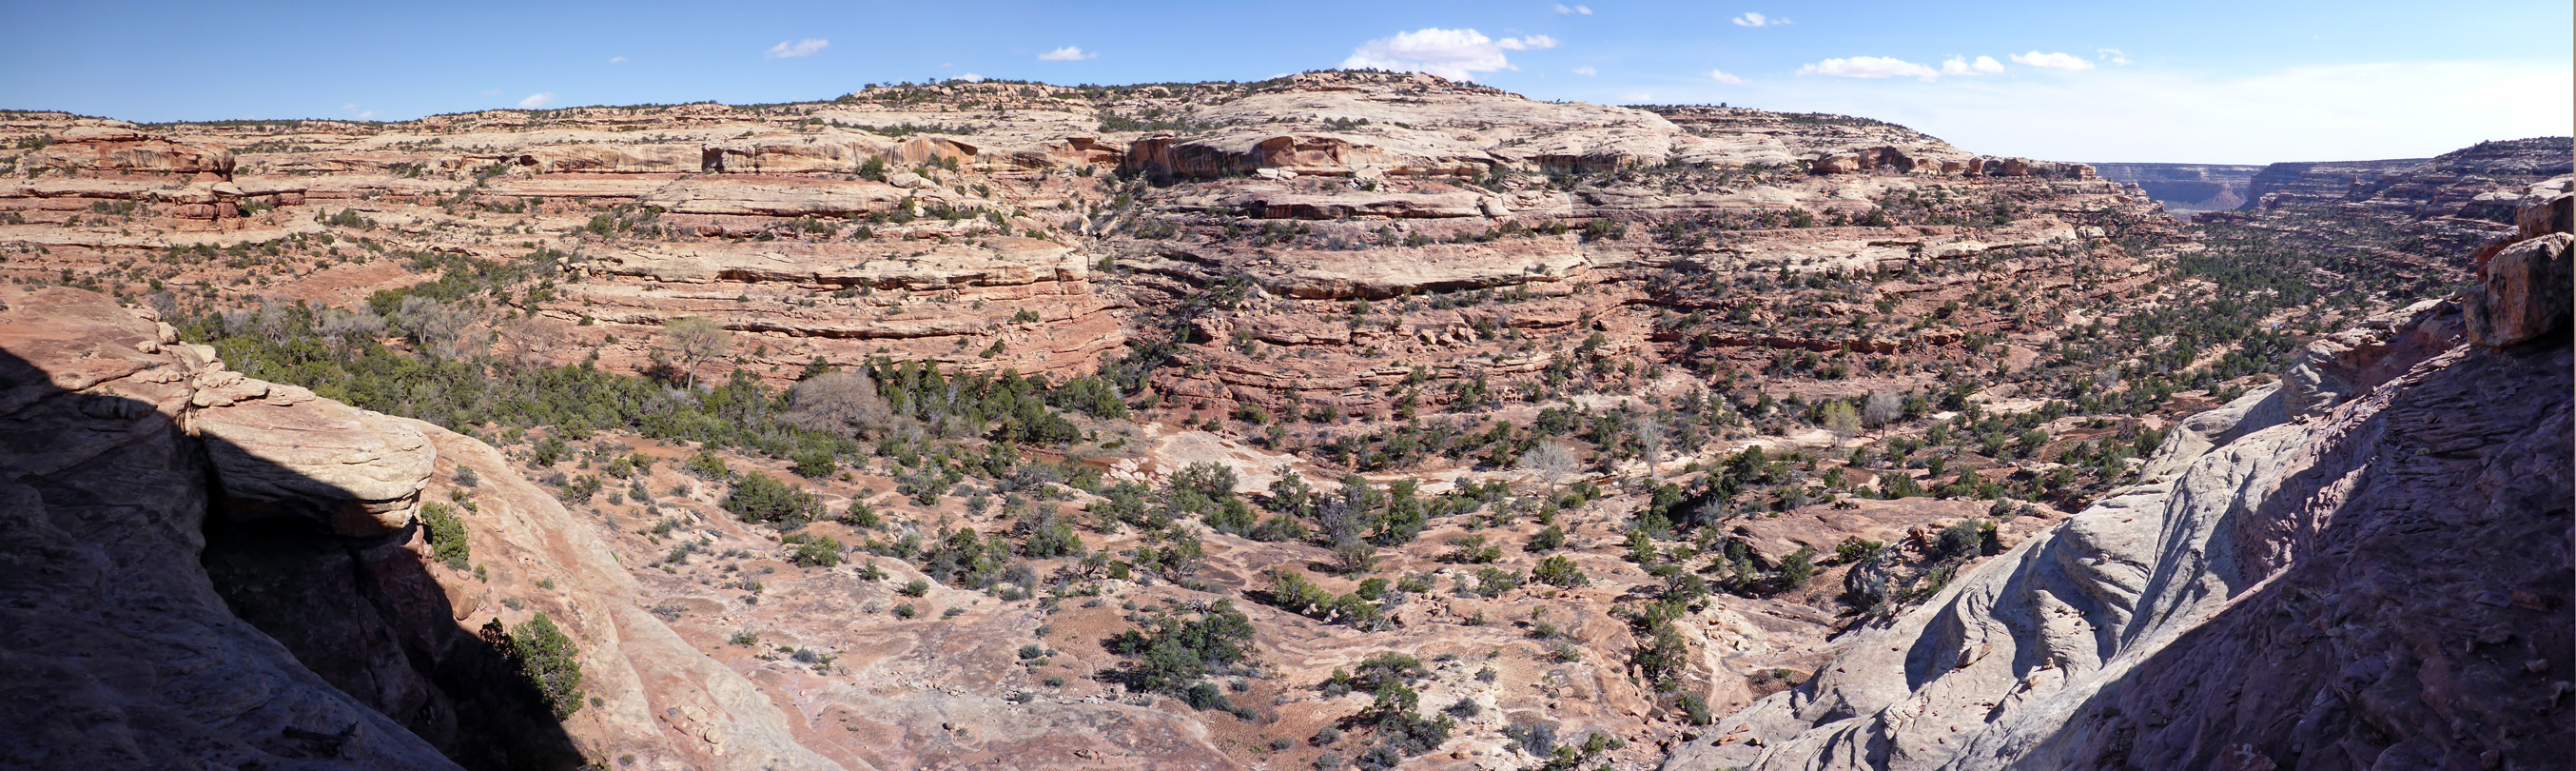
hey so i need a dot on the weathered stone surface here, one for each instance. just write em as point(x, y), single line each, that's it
point(2333, 370)
point(119, 653)
point(116, 148)
point(280, 451)
point(2309, 594)
point(2524, 292)
point(126, 651)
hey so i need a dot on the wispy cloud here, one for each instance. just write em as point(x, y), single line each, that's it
point(535, 101)
point(2112, 55)
point(1456, 54)
point(805, 47)
point(1721, 76)
point(1636, 97)
point(1961, 65)
point(1562, 8)
point(1751, 19)
point(1068, 54)
point(616, 60)
point(1586, 71)
point(354, 112)
point(491, 92)
point(970, 78)
point(2055, 61)
point(1869, 67)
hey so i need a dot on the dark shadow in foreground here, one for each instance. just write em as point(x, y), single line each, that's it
point(125, 648)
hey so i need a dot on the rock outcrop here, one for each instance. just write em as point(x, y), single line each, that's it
point(278, 450)
point(2368, 581)
point(119, 652)
point(289, 614)
point(121, 149)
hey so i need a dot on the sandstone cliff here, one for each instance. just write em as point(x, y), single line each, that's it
point(317, 632)
point(2187, 187)
point(2370, 578)
point(1413, 280)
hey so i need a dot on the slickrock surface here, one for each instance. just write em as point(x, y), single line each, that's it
point(118, 651)
point(2366, 581)
point(125, 652)
point(1341, 273)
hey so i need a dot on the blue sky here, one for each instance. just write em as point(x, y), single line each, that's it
point(2233, 82)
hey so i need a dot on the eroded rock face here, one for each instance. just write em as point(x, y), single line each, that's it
point(2380, 586)
point(2524, 292)
point(314, 630)
point(280, 451)
point(119, 653)
point(116, 148)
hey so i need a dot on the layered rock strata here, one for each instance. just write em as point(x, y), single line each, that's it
point(2369, 577)
point(209, 568)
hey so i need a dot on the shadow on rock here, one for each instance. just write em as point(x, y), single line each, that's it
point(147, 626)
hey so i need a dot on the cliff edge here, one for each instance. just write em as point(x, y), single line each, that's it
point(2370, 575)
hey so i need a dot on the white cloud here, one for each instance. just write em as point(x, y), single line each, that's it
point(1721, 76)
point(616, 60)
point(1456, 54)
point(1561, 8)
point(2112, 55)
point(1636, 97)
point(535, 101)
point(805, 47)
point(350, 107)
point(1960, 65)
point(1586, 71)
point(1869, 67)
point(970, 78)
point(1751, 19)
point(1068, 54)
point(2055, 61)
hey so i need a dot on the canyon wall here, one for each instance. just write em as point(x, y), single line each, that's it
point(2187, 187)
point(2355, 581)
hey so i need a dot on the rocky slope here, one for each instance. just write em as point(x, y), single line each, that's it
point(119, 650)
point(2363, 576)
point(318, 631)
point(1801, 372)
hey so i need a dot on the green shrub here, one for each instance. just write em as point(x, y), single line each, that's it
point(1558, 571)
point(1796, 568)
point(814, 551)
point(1172, 651)
point(446, 535)
point(547, 658)
point(761, 498)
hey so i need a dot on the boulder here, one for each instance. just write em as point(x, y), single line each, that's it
point(280, 451)
point(2523, 292)
point(119, 652)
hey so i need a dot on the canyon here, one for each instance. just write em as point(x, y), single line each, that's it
point(1339, 419)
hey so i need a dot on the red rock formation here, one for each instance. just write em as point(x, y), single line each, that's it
point(2383, 585)
point(316, 632)
point(124, 150)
